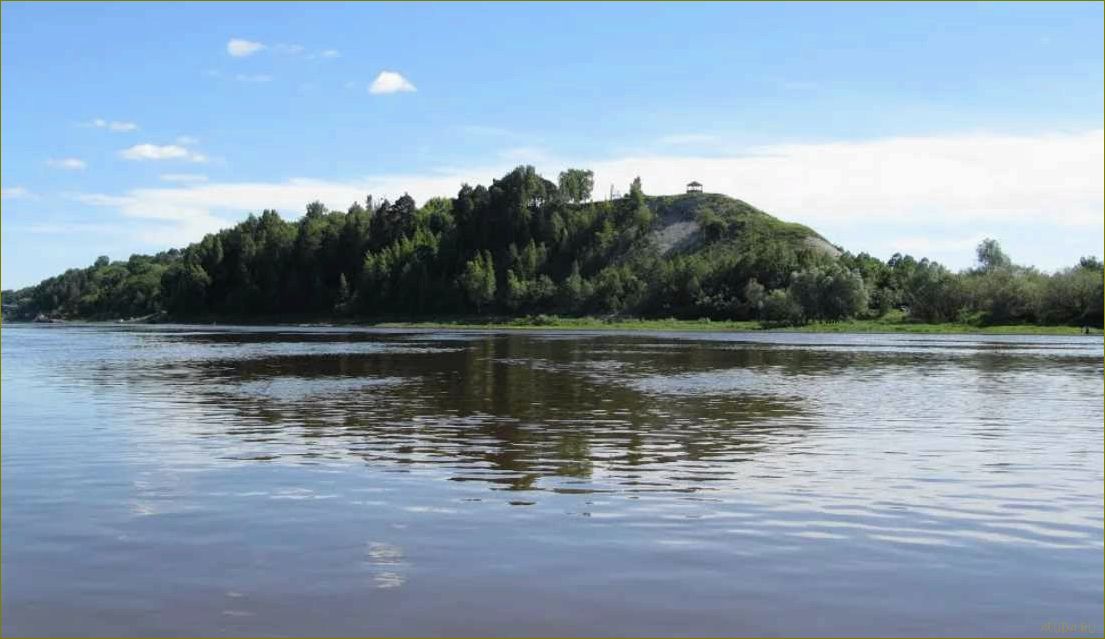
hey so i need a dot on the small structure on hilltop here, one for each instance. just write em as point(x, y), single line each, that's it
point(694, 187)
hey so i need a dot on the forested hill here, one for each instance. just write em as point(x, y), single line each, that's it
point(526, 245)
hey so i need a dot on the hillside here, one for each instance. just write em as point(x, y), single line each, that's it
point(521, 245)
point(677, 228)
point(525, 245)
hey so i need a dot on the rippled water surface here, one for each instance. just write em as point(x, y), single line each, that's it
point(239, 481)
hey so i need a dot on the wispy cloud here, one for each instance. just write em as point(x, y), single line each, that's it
point(957, 186)
point(16, 193)
point(946, 177)
point(68, 164)
point(240, 48)
point(114, 125)
point(141, 152)
point(254, 78)
point(928, 245)
point(183, 177)
point(186, 140)
point(390, 82)
point(98, 199)
point(681, 139)
point(289, 49)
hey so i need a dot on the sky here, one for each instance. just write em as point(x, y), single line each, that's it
point(915, 128)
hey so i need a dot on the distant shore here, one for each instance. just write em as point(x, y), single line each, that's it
point(706, 325)
point(893, 322)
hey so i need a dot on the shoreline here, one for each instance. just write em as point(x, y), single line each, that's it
point(889, 326)
point(855, 327)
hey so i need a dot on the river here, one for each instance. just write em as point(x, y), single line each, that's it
point(205, 480)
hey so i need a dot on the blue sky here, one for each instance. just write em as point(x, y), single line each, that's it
point(135, 127)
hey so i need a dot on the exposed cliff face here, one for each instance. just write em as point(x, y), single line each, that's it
point(680, 220)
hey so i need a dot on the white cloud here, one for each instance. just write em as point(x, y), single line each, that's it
point(176, 215)
point(114, 125)
point(161, 152)
point(15, 193)
point(390, 82)
point(186, 140)
point(183, 177)
point(929, 245)
point(255, 78)
point(98, 199)
point(330, 53)
point(289, 49)
point(240, 48)
point(921, 194)
point(69, 164)
point(949, 178)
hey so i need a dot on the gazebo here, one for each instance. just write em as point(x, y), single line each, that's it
point(694, 187)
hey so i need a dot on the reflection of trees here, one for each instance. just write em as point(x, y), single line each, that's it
point(514, 411)
point(521, 411)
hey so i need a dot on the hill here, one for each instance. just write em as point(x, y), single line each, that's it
point(525, 245)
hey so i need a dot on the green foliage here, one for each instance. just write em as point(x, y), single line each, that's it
point(991, 257)
point(576, 185)
point(829, 292)
point(932, 293)
point(478, 279)
point(527, 246)
point(780, 307)
point(755, 295)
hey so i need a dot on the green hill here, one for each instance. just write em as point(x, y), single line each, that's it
point(524, 245)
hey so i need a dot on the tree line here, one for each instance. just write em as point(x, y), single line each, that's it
point(527, 245)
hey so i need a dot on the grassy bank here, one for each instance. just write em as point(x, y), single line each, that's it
point(891, 323)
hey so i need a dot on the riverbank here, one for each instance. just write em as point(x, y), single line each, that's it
point(892, 323)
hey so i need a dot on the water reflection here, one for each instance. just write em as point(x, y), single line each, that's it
point(592, 413)
point(516, 413)
point(409, 482)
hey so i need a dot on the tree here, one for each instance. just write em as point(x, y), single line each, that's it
point(186, 288)
point(532, 245)
point(780, 307)
point(516, 290)
point(575, 185)
point(572, 293)
point(754, 296)
point(990, 255)
point(829, 292)
point(932, 293)
point(341, 304)
point(478, 280)
point(636, 193)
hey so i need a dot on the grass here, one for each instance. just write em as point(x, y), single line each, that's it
point(891, 323)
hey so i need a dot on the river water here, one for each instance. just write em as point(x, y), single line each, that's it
point(202, 480)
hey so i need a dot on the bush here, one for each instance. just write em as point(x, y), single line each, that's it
point(780, 308)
